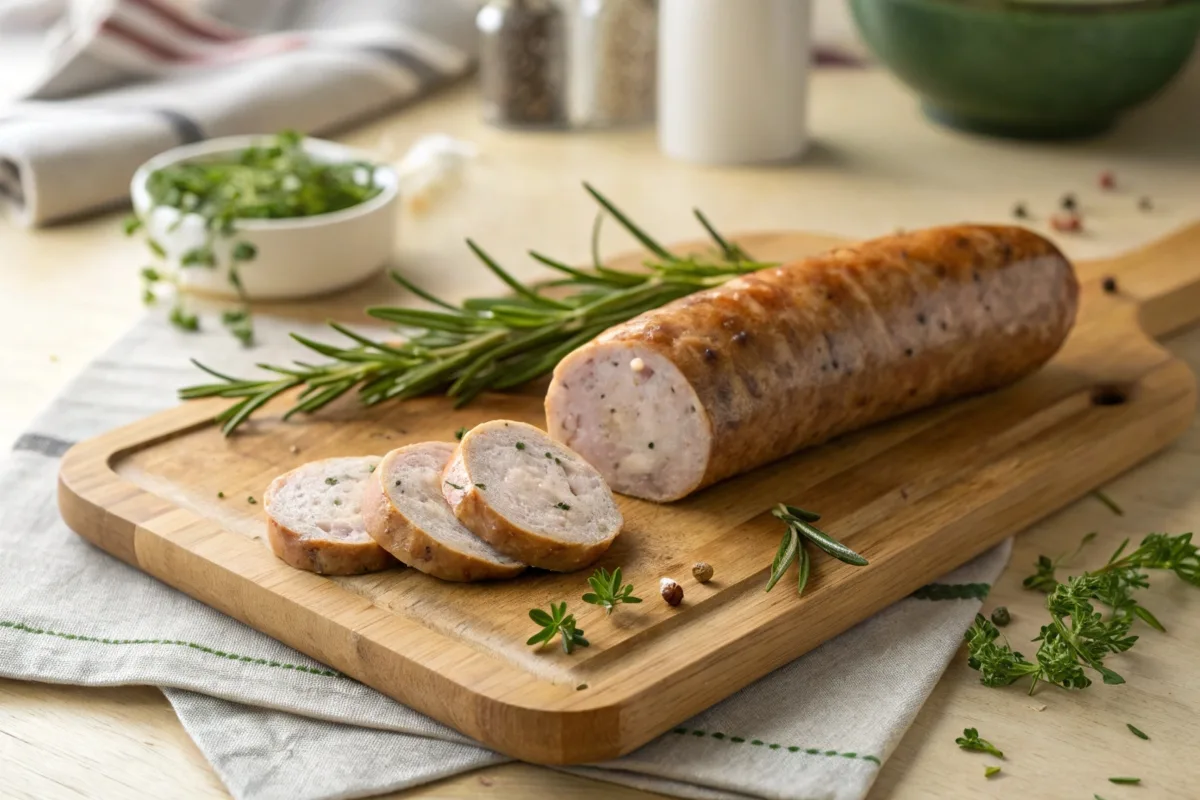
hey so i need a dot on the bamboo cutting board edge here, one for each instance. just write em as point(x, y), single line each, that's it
point(545, 718)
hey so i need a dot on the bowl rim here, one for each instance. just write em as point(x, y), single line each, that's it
point(385, 177)
point(1065, 11)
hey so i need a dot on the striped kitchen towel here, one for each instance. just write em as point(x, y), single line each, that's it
point(89, 89)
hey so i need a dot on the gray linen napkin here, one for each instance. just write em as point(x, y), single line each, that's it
point(276, 724)
point(109, 84)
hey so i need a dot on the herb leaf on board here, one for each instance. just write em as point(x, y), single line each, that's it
point(557, 623)
point(793, 546)
point(607, 590)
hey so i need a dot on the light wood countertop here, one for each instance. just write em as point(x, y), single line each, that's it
point(67, 292)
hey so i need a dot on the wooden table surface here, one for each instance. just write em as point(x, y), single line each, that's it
point(67, 292)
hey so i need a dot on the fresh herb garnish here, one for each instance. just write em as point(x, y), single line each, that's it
point(331, 481)
point(970, 741)
point(481, 486)
point(1136, 732)
point(486, 343)
point(454, 485)
point(1108, 501)
point(990, 771)
point(557, 623)
point(607, 590)
point(461, 432)
point(1043, 579)
point(520, 445)
point(1078, 636)
point(221, 495)
point(563, 506)
point(251, 500)
point(800, 529)
point(1125, 781)
point(277, 180)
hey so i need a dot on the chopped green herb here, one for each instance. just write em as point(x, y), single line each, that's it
point(608, 591)
point(480, 486)
point(990, 771)
point(454, 485)
point(1125, 781)
point(556, 461)
point(244, 251)
point(563, 506)
point(331, 481)
point(131, 224)
point(557, 623)
point(461, 432)
point(251, 500)
point(1108, 501)
point(1136, 732)
point(337, 501)
point(549, 456)
point(1043, 579)
point(1078, 636)
point(581, 687)
point(970, 741)
point(183, 320)
point(371, 468)
point(520, 445)
point(221, 495)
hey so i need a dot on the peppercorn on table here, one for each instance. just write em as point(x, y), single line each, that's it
point(877, 166)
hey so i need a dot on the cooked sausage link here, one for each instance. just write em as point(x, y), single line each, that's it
point(731, 378)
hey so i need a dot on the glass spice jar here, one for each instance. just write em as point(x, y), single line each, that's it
point(613, 62)
point(523, 62)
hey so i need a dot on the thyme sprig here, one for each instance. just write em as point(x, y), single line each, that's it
point(608, 591)
point(792, 547)
point(1079, 637)
point(557, 623)
point(485, 343)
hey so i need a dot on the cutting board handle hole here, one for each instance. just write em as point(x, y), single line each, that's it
point(1109, 394)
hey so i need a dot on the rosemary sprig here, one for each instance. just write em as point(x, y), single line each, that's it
point(1079, 637)
point(557, 623)
point(486, 343)
point(800, 529)
point(607, 590)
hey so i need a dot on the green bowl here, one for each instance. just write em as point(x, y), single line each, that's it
point(1012, 70)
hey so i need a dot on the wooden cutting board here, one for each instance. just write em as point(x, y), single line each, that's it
point(917, 496)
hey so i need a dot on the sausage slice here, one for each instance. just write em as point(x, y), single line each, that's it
point(731, 378)
point(314, 518)
point(530, 497)
point(406, 514)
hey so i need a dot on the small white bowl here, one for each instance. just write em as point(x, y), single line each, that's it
point(297, 257)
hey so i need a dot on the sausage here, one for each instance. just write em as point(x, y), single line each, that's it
point(404, 511)
point(734, 377)
point(529, 497)
point(314, 518)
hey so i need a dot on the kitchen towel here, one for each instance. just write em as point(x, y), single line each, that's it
point(90, 89)
point(276, 724)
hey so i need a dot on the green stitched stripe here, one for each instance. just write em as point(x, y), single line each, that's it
point(952, 591)
point(721, 737)
point(75, 637)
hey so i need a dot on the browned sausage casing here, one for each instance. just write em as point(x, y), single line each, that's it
point(731, 378)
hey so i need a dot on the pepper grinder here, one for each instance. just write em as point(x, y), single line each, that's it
point(523, 62)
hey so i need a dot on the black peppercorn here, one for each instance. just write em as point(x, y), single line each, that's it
point(1110, 285)
point(1020, 212)
point(1069, 202)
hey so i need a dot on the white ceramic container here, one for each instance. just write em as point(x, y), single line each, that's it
point(298, 257)
point(733, 80)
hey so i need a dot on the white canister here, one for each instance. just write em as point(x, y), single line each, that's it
point(733, 79)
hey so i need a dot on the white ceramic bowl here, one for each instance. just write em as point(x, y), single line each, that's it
point(297, 257)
